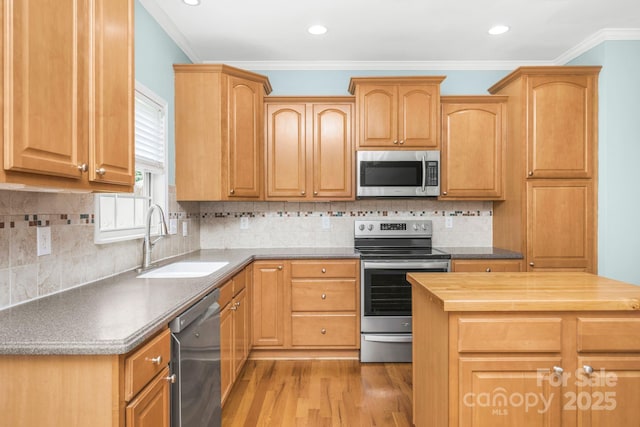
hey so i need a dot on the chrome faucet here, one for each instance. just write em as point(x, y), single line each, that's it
point(147, 245)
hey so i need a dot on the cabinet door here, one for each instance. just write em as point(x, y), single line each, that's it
point(377, 115)
point(561, 113)
point(473, 144)
point(151, 407)
point(608, 396)
point(268, 304)
point(244, 158)
point(332, 152)
point(286, 151)
point(560, 225)
point(111, 134)
point(418, 116)
point(46, 86)
point(226, 350)
point(240, 332)
point(507, 392)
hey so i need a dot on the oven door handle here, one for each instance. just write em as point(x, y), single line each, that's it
point(389, 338)
point(390, 265)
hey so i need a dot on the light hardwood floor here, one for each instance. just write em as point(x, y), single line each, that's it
point(320, 393)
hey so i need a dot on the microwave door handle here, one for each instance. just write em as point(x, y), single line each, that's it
point(424, 174)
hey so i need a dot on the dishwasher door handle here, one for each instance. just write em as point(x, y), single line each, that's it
point(400, 338)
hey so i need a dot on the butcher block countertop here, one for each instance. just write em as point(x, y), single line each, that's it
point(547, 291)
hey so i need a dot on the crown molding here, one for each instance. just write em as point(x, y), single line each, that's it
point(170, 28)
point(606, 34)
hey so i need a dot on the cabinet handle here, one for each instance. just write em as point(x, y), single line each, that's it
point(557, 370)
point(530, 173)
point(232, 191)
point(531, 264)
point(279, 267)
point(323, 331)
point(488, 270)
point(101, 171)
point(444, 193)
point(237, 304)
point(171, 378)
point(324, 270)
point(303, 192)
point(155, 360)
point(323, 296)
point(83, 167)
point(401, 141)
point(233, 307)
point(315, 193)
point(587, 369)
point(395, 142)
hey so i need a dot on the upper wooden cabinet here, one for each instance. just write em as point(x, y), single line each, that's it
point(309, 148)
point(68, 94)
point(219, 132)
point(473, 144)
point(397, 112)
point(560, 113)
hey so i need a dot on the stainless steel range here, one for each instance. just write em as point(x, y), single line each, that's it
point(388, 250)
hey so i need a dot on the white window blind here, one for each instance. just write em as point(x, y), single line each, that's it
point(150, 128)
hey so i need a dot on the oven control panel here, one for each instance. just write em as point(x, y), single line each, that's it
point(393, 228)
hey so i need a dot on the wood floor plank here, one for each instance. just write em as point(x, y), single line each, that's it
point(320, 393)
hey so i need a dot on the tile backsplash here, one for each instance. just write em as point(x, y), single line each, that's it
point(75, 259)
point(284, 224)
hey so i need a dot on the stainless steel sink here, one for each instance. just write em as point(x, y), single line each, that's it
point(183, 269)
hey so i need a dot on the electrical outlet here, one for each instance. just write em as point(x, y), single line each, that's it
point(244, 223)
point(173, 226)
point(185, 229)
point(448, 222)
point(326, 223)
point(43, 237)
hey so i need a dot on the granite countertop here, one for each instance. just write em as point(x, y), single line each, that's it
point(530, 291)
point(115, 315)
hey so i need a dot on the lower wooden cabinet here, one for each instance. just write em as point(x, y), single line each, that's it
point(234, 329)
point(302, 307)
point(130, 390)
point(487, 265)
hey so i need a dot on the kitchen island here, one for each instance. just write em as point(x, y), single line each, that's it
point(525, 349)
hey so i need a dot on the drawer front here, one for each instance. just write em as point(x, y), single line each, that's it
point(489, 266)
point(239, 282)
point(530, 335)
point(145, 363)
point(226, 294)
point(324, 268)
point(325, 331)
point(323, 295)
point(609, 335)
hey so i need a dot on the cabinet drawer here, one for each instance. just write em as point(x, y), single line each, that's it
point(329, 330)
point(239, 282)
point(323, 295)
point(489, 266)
point(145, 363)
point(226, 293)
point(323, 269)
point(615, 335)
point(537, 335)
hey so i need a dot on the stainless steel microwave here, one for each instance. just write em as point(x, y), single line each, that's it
point(398, 173)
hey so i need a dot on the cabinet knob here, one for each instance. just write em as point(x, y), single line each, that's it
point(315, 193)
point(232, 191)
point(233, 307)
point(401, 142)
point(557, 370)
point(237, 304)
point(171, 378)
point(444, 193)
point(323, 331)
point(101, 171)
point(156, 360)
point(324, 270)
point(531, 264)
point(323, 296)
point(279, 267)
point(488, 270)
point(83, 167)
point(395, 142)
point(530, 173)
point(303, 192)
point(587, 369)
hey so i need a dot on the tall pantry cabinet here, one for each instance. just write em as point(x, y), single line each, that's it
point(550, 206)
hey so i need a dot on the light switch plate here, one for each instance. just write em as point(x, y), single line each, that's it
point(43, 237)
point(326, 223)
point(448, 222)
point(244, 223)
point(185, 229)
point(173, 226)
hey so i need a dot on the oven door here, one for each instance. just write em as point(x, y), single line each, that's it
point(386, 294)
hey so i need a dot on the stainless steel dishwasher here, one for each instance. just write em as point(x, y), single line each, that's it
point(195, 361)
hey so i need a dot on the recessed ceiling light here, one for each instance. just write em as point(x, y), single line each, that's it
point(191, 2)
point(498, 29)
point(317, 30)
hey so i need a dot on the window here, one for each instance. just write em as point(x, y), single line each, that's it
point(122, 216)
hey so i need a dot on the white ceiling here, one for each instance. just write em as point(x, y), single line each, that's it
point(408, 33)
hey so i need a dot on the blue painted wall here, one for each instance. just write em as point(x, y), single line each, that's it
point(619, 157)
point(155, 54)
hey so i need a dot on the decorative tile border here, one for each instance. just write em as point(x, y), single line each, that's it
point(44, 220)
point(359, 213)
